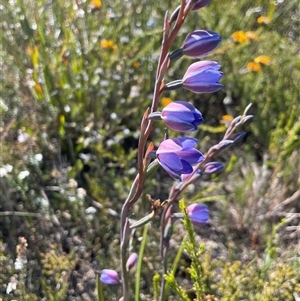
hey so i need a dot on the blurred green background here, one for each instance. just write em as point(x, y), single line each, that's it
point(77, 77)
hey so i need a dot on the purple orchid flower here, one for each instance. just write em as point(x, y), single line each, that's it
point(200, 77)
point(203, 77)
point(198, 214)
point(181, 116)
point(109, 277)
point(197, 44)
point(177, 156)
point(200, 43)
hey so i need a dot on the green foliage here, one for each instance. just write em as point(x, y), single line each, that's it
point(196, 269)
point(179, 291)
point(245, 282)
point(56, 270)
point(140, 264)
point(99, 289)
point(156, 279)
point(230, 280)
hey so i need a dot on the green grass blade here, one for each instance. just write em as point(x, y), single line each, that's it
point(140, 262)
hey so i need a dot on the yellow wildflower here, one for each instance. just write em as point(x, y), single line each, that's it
point(251, 35)
point(96, 3)
point(239, 36)
point(165, 101)
point(108, 44)
point(253, 66)
point(38, 88)
point(135, 65)
point(29, 50)
point(227, 118)
point(263, 59)
point(263, 20)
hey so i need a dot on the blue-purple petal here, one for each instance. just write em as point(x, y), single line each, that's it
point(203, 77)
point(186, 143)
point(171, 159)
point(193, 156)
point(198, 213)
point(181, 126)
point(181, 116)
point(200, 43)
point(132, 261)
point(109, 277)
point(180, 157)
point(168, 146)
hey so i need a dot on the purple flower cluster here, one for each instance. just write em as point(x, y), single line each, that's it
point(177, 155)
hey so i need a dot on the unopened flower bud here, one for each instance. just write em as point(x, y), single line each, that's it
point(238, 137)
point(198, 214)
point(131, 261)
point(203, 77)
point(213, 168)
point(109, 277)
point(200, 43)
point(181, 116)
